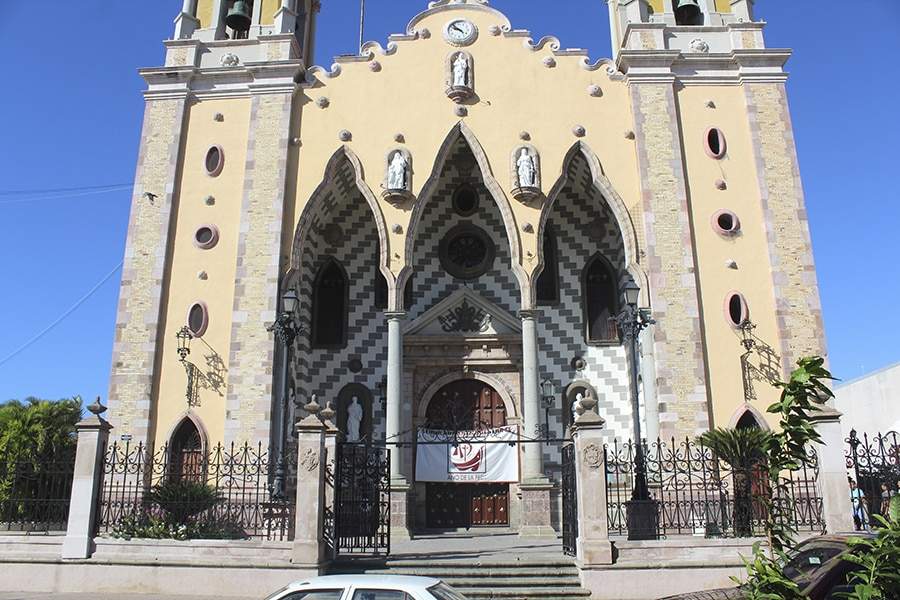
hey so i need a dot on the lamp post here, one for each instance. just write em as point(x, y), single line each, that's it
point(286, 331)
point(184, 337)
point(548, 396)
point(642, 510)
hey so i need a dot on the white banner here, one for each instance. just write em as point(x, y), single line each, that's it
point(486, 459)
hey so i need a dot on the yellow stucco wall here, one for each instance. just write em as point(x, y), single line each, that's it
point(408, 96)
point(187, 261)
point(723, 6)
point(753, 276)
point(267, 11)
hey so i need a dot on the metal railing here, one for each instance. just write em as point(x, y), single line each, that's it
point(699, 494)
point(242, 477)
point(35, 492)
point(874, 466)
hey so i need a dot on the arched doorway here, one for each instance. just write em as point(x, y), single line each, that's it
point(466, 406)
point(186, 453)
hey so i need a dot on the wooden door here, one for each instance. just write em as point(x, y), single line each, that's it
point(466, 405)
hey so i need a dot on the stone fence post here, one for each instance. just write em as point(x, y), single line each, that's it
point(309, 548)
point(592, 546)
point(93, 434)
point(836, 509)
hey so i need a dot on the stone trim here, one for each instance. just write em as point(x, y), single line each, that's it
point(138, 332)
point(798, 309)
point(513, 413)
point(679, 342)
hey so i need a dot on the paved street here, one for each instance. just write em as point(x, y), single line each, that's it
point(32, 596)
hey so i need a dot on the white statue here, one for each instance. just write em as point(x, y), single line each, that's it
point(354, 419)
point(397, 172)
point(461, 71)
point(526, 169)
point(576, 405)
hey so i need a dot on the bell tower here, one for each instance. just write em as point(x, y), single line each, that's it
point(684, 16)
point(216, 20)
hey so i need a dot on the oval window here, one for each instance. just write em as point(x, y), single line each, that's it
point(215, 161)
point(726, 222)
point(206, 236)
point(198, 319)
point(715, 143)
point(736, 309)
point(465, 200)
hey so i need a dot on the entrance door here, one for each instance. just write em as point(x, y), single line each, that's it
point(466, 405)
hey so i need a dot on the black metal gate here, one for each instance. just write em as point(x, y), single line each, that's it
point(362, 500)
point(569, 501)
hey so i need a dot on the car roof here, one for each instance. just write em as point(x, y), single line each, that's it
point(396, 582)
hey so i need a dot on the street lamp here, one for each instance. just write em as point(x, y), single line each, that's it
point(642, 510)
point(184, 337)
point(286, 331)
point(548, 396)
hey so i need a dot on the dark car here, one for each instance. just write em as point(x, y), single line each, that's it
point(816, 565)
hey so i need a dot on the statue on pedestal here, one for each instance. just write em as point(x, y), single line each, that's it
point(354, 420)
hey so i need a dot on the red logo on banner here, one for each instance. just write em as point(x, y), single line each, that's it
point(466, 457)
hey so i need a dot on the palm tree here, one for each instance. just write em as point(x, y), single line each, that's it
point(744, 450)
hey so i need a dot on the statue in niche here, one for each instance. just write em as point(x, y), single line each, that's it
point(461, 71)
point(354, 420)
point(397, 172)
point(526, 169)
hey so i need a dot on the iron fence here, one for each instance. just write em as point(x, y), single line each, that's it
point(248, 501)
point(35, 492)
point(699, 494)
point(569, 500)
point(362, 500)
point(874, 466)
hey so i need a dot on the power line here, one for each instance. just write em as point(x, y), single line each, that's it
point(63, 196)
point(62, 317)
point(55, 190)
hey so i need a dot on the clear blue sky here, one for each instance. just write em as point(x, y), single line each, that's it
point(71, 112)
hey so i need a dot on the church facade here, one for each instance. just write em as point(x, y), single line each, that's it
point(437, 235)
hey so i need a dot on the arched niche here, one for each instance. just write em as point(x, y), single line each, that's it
point(507, 395)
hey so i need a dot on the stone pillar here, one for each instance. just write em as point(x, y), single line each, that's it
point(648, 381)
point(836, 509)
point(533, 471)
point(593, 546)
point(393, 425)
point(187, 22)
point(309, 548)
point(332, 435)
point(93, 433)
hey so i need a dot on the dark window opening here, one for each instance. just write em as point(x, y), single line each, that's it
point(715, 143)
point(213, 160)
point(408, 299)
point(381, 293)
point(198, 319)
point(737, 310)
point(600, 295)
point(330, 307)
point(465, 200)
point(548, 281)
point(726, 221)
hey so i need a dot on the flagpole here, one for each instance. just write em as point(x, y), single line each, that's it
point(362, 23)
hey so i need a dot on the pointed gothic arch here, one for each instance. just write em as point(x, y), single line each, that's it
point(344, 158)
point(187, 446)
point(616, 205)
point(330, 306)
point(747, 416)
point(462, 133)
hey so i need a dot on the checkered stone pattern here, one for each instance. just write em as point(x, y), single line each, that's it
point(584, 226)
point(326, 372)
point(431, 283)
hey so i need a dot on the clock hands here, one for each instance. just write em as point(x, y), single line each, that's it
point(458, 27)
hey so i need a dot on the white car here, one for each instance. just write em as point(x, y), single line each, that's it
point(367, 587)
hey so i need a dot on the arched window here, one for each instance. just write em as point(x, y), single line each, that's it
point(548, 281)
point(600, 297)
point(186, 452)
point(329, 322)
point(381, 292)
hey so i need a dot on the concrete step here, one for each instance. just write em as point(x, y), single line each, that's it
point(481, 593)
point(478, 571)
point(473, 580)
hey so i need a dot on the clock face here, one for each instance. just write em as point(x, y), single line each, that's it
point(460, 32)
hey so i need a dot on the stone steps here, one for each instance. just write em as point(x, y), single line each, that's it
point(487, 580)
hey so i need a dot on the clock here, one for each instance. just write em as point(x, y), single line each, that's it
point(460, 32)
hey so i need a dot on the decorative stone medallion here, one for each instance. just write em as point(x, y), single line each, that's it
point(465, 318)
point(593, 457)
point(310, 460)
point(467, 252)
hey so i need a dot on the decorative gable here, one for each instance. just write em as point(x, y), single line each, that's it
point(464, 313)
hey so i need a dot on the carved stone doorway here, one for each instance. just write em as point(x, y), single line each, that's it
point(466, 405)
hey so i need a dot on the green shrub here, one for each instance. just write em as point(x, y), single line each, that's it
point(181, 499)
